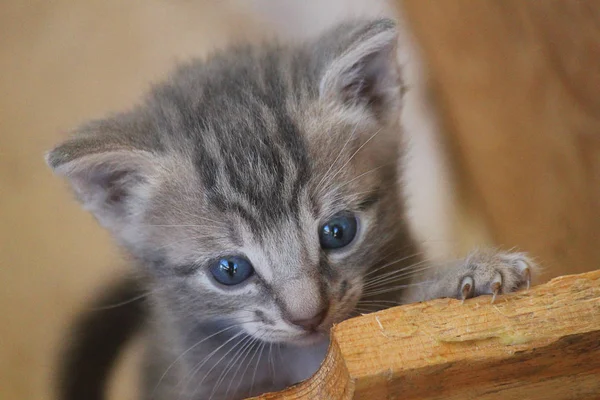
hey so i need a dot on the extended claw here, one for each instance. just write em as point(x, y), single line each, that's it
point(524, 265)
point(466, 288)
point(527, 273)
point(496, 286)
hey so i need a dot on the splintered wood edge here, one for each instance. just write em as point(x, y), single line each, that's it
point(536, 344)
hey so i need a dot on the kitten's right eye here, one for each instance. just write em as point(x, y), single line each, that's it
point(338, 232)
point(232, 270)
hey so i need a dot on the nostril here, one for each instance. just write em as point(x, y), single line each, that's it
point(312, 323)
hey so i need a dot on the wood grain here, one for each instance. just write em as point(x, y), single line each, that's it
point(543, 343)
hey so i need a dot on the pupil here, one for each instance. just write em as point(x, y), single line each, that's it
point(337, 232)
point(229, 267)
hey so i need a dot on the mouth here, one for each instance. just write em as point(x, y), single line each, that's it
point(311, 338)
point(321, 333)
point(305, 338)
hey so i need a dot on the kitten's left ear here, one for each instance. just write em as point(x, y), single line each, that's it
point(109, 167)
point(365, 73)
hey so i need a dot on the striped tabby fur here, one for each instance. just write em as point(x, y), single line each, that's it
point(249, 153)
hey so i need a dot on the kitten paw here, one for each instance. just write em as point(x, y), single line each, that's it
point(494, 273)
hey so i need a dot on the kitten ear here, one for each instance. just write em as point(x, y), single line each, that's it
point(104, 168)
point(365, 73)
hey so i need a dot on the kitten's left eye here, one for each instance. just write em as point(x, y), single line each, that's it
point(232, 270)
point(338, 232)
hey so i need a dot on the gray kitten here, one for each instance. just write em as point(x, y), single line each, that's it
point(258, 194)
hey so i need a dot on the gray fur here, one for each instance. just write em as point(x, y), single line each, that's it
point(248, 152)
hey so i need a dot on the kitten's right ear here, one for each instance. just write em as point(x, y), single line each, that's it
point(364, 72)
point(104, 169)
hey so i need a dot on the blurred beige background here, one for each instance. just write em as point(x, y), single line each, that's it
point(62, 62)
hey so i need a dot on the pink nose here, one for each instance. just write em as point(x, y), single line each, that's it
point(311, 324)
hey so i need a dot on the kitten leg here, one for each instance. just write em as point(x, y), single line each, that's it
point(481, 272)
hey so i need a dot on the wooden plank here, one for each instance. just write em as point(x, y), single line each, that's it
point(543, 343)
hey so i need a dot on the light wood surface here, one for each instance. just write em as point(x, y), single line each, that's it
point(538, 344)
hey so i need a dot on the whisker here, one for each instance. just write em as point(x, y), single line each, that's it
point(122, 303)
point(190, 349)
point(414, 269)
point(237, 370)
point(365, 192)
point(396, 275)
point(326, 175)
point(391, 289)
point(393, 263)
point(396, 282)
point(258, 344)
point(271, 363)
point(397, 303)
point(362, 310)
point(246, 341)
point(342, 196)
point(262, 347)
point(364, 173)
point(407, 278)
point(190, 375)
point(355, 153)
point(183, 226)
point(364, 307)
point(281, 361)
point(402, 274)
point(218, 361)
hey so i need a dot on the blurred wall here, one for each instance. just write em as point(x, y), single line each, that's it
point(517, 87)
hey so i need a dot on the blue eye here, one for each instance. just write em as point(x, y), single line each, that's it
point(231, 270)
point(338, 232)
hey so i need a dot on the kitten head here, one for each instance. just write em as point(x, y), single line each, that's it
point(257, 187)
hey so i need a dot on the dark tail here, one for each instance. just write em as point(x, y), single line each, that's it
point(98, 337)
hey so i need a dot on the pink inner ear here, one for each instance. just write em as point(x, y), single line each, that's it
point(366, 74)
point(103, 181)
point(115, 183)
